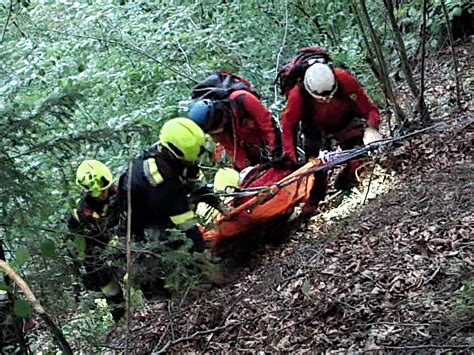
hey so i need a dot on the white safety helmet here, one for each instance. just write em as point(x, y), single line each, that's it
point(320, 82)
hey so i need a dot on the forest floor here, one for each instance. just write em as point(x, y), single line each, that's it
point(393, 273)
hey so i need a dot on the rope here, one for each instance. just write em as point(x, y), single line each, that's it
point(348, 155)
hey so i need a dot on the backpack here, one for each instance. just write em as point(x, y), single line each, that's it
point(291, 73)
point(220, 85)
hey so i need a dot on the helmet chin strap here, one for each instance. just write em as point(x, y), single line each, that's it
point(324, 98)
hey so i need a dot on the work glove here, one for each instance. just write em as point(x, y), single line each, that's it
point(199, 245)
point(371, 135)
point(204, 193)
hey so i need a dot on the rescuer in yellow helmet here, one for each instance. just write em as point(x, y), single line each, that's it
point(92, 223)
point(167, 183)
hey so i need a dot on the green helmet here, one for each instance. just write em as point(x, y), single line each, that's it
point(184, 138)
point(94, 177)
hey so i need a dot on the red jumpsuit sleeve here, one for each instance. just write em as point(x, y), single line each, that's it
point(354, 90)
point(290, 118)
point(240, 159)
point(260, 115)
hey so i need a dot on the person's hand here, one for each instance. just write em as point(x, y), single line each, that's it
point(371, 135)
point(199, 245)
point(204, 193)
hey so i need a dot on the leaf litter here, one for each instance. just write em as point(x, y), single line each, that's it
point(386, 275)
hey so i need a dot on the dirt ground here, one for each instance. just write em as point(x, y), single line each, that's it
point(392, 274)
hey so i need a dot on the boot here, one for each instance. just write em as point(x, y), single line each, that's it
point(345, 181)
point(309, 209)
point(316, 195)
point(115, 299)
point(116, 306)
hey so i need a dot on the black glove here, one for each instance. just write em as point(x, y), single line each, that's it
point(198, 242)
point(204, 193)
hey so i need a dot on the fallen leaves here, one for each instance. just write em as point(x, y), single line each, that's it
point(384, 278)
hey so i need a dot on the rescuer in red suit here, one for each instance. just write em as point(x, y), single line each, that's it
point(236, 119)
point(330, 104)
point(251, 134)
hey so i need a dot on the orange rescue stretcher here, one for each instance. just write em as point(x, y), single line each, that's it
point(277, 199)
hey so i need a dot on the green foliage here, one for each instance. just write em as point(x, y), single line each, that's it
point(89, 326)
point(409, 14)
point(465, 305)
point(48, 248)
point(82, 79)
point(80, 247)
point(165, 265)
point(21, 255)
point(22, 308)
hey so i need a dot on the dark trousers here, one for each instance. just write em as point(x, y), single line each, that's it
point(98, 275)
point(315, 140)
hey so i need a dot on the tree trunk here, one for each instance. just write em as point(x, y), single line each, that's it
point(128, 246)
point(370, 54)
point(424, 114)
point(401, 49)
point(399, 114)
point(419, 101)
point(370, 57)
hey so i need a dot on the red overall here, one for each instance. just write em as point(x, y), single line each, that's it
point(321, 119)
point(252, 130)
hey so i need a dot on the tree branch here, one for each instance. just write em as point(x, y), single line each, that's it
point(131, 46)
point(316, 23)
point(370, 54)
point(410, 347)
point(401, 48)
point(399, 114)
point(56, 332)
point(424, 114)
point(10, 10)
point(194, 335)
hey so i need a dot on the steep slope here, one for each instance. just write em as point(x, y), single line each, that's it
point(392, 274)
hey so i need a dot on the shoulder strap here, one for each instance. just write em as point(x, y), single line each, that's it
point(220, 85)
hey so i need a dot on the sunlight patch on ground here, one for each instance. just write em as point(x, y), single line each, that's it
point(341, 205)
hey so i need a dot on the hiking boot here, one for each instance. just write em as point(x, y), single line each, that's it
point(117, 312)
point(116, 305)
point(345, 182)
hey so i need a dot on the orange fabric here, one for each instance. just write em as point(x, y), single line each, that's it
point(263, 207)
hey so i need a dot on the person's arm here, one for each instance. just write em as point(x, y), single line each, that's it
point(351, 87)
point(234, 150)
point(115, 207)
point(186, 220)
point(290, 118)
point(260, 115)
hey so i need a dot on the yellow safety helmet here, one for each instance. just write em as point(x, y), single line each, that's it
point(184, 138)
point(226, 177)
point(94, 177)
